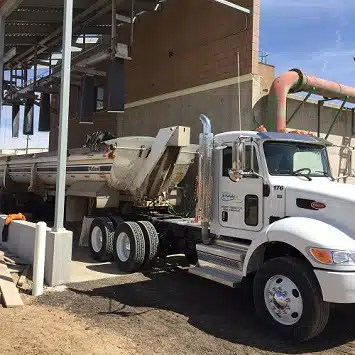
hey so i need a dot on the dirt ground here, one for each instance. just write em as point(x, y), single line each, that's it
point(164, 312)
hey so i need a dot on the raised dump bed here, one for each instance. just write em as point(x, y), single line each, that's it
point(138, 167)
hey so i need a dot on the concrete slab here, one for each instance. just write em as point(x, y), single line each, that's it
point(84, 268)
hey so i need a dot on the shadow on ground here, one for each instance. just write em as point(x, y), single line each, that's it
point(210, 308)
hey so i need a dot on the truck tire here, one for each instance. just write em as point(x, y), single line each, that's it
point(288, 298)
point(129, 247)
point(151, 240)
point(116, 220)
point(101, 237)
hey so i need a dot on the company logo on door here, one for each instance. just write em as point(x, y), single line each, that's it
point(317, 205)
point(228, 196)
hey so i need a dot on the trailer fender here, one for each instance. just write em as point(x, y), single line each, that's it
point(301, 233)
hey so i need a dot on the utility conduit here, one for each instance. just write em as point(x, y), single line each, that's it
point(296, 81)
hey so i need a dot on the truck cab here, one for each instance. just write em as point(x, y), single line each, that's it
point(278, 217)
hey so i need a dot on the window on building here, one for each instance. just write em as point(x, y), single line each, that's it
point(99, 98)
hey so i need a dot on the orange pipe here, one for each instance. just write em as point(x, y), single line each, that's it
point(296, 81)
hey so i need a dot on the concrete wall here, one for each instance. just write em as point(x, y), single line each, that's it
point(220, 104)
point(21, 241)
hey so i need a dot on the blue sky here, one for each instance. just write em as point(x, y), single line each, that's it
point(316, 36)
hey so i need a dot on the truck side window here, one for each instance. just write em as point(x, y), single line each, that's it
point(227, 160)
point(251, 211)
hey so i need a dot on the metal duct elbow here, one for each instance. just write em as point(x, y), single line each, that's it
point(295, 81)
point(205, 178)
point(277, 101)
point(206, 123)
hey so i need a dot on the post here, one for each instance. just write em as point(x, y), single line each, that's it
point(63, 116)
point(132, 28)
point(39, 259)
point(113, 29)
point(27, 143)
point(35, 68)
point(2, 46)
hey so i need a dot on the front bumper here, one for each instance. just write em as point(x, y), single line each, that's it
point(337, 287)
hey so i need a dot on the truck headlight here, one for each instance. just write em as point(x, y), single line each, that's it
point(333, 257)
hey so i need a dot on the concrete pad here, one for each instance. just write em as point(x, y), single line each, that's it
point(84, 268)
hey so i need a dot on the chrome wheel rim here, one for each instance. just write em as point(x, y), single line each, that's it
point(123, 246)
point(96, 239)
point(283, 300)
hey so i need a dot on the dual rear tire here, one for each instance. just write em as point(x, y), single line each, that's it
point(133, 245)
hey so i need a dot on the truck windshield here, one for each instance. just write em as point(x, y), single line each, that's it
point(294, 158)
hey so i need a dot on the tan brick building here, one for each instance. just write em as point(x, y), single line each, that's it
point(185, 62)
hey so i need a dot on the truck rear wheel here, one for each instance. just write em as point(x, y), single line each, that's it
point(151, 240)
point(116, 221)
point(101, 237)
point(129, 250)
point(288, 297)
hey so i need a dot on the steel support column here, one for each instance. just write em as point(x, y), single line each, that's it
point(113, 30)
point(319, 108)
point(131, 36)
point(2, 53)
point(299, 107)
point(63, 115)
point(336, 117)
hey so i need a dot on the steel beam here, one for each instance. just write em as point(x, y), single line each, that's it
point(299, 107)
point(336, 117)
point(113, 29)
point(37, 15)
point(57, 32)
point(33, 30)
point(2, 48)
point(9, 54)
point(90, 71)
point(9, 6)
point(78, 4)
point(19, 41)
point(63, 116)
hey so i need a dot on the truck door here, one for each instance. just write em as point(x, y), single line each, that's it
point(240, 203)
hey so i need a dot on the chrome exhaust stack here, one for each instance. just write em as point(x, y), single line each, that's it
point(205, 178)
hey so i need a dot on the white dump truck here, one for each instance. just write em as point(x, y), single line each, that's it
point(268, 210)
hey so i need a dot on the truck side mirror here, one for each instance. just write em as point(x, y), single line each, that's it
point(238, 160)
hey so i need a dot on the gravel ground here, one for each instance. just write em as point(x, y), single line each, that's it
point(170, 312)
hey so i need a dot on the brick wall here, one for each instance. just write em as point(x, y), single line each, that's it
point(189, 43)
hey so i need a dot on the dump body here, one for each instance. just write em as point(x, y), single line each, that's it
point(138, 167)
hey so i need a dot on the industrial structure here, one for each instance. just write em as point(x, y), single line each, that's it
point(136, 74)
point(130, 67)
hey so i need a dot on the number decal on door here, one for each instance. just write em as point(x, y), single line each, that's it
point(278, 188)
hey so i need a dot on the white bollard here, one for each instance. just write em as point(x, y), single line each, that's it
point(39, 258)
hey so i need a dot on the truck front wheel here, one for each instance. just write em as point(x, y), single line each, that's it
point(288, 298)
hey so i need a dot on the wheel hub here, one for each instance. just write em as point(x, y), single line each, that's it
point(123, 246)
point(280, 299)
point(96, 239)
point(283, 300)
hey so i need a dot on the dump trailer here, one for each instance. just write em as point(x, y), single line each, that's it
point(268, 210)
